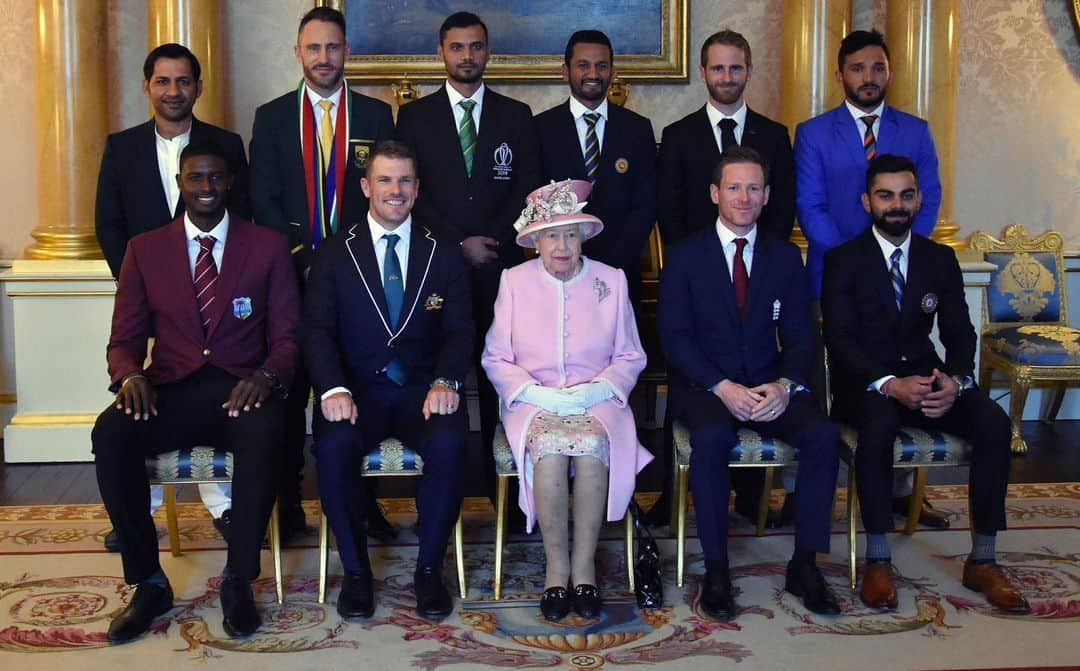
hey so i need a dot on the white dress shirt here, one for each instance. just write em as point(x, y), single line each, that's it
point(727, 239)
point(578, 111)
point(887, 249)
point(715, 116)
point(192, 232)
point(857, 114)
point(459, 113)
point(314, 97)
point(168, 160)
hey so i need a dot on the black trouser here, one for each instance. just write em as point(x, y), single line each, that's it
point(189, 413)
point(291, 472)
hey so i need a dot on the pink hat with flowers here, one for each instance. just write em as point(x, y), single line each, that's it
point(557, 204)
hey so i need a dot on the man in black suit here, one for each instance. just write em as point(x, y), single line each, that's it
point(388, 339)
point(880, 296)
point(137, 190)
point(308, 150)
point(478, 159)
point(689, 147)
point(735, 326)
point(614, 148)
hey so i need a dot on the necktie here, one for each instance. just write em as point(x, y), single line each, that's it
point(326, 134)
point(394, 288)
point(897, 277)
point(727, 134)
point(869, 142)
point(467, 134)
point(740, 279)
point(206, 274)
point(592, 146)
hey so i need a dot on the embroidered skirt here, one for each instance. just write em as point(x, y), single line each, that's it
point(571, 436)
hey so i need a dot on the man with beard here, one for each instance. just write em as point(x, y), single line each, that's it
point(478, 159)
point(831, 152)
point(689, 147)
point(308, 151)
point(614, 148)
point(880, 296)
point(137, 190)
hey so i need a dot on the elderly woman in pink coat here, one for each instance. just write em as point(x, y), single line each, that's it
point(563, 353)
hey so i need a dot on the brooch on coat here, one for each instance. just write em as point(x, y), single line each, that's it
point(433, 302)
point(601, 288)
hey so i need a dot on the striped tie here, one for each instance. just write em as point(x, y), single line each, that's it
point(326, 134)
point(897, 278)
point(206, 275)
point(592, 146)
point(467, 134)
point(869, 142)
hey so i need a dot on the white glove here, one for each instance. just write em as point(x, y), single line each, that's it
point(556, 401)
point(591, 393)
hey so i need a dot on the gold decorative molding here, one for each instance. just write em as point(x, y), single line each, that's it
point(405, 91)
point(619, 92)
point(8, 398)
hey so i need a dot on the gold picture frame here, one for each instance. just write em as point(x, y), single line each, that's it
point(669, 63)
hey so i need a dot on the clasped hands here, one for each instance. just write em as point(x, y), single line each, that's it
point(573, 400)
point(762, 403)
point(916, 392)
point(137, 397)
point(340, 407)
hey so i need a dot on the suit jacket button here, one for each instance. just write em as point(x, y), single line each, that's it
point(206, 352)
point(903, 358)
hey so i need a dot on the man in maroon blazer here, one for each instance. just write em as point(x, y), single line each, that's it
point(218, 295)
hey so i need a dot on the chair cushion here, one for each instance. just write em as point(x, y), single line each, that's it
point(1036, 344)
point(393, 458)
point(190, 464)
point(752, 448)
point(1024, 287)
point(504, 458)
point(918, 447)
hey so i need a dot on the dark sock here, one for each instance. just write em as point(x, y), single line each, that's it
point(158, 578)
point(983, 546)
point(716, 565)
point(801, 556)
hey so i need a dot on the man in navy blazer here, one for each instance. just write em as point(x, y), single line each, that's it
point(735, 326)
point(389, 334)
point(618, 157)
point(690, 147)
point(832, 150)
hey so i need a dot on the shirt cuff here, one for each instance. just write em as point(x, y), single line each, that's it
point(334, 390)
point(877, 384)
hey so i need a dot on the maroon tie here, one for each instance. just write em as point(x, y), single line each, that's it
point(205, 277)
point(740, 279)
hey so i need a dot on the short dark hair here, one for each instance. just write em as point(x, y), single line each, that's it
point(395, 149)
point(889, 163)
point(860, 39)
point(204, 147)
point(461, 20)
point(328, 14)
point(588, 37)
point(738, 154)
point(170, 50)
point(729, 38)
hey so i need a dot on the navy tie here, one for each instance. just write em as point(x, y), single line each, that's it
point(592, 145)
point(897, 278)
point(394, 288)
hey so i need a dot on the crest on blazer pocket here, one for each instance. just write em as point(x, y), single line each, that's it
point(361, 151)
point(241, 307)
point(502, 161)
point(929, 303)
point(434, 302)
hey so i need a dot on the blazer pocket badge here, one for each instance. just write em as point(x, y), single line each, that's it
point(434, 302)
point(776, 310)
point(502, 160)
point(361, 151)
point(622, 166)
point(601, 289)
point(241, 307)
point(929, 303)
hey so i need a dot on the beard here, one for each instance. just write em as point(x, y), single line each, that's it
point(864, 96)
point(727, 95)
point(593, 95)
point(895, 227)
point(467, 77)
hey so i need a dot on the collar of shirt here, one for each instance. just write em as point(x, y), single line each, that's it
point(578, 111)
point(456, 97)
point(857, 114)
point(168, 160)
point(887, 248)
point(192, 233)
point(727, 239)
point(404, 231)
point(716, 115)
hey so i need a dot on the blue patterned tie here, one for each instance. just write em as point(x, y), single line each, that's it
point(897, 278)
point(394, 288)
point(592, 146)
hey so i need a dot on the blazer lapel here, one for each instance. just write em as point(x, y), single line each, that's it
point(233, 259)
point(706, 137)
point(145, 163)
point(846, 133)
point(573, 146)
point(888, 132)
point(758, 280)
point(178, 268)
point(914, 286)
point(877, 272)
point(421, 251)
point(714, 258)
point(367, 267)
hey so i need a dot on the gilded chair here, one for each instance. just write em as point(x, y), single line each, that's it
point(195, 466)
point(391, 459)
point(505, 468)
point(1026, 333)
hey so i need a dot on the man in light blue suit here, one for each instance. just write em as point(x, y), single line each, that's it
point(832, 151)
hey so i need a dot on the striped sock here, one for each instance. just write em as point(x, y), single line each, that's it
point(877, 547)
point(983, 547)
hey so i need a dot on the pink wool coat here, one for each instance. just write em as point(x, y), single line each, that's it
point(558, 335)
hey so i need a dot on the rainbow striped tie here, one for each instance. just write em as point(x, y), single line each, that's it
point(869, 142)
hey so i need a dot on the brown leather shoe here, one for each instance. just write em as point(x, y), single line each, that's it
point(989, 578)
point(878, 589)
point(929, 516)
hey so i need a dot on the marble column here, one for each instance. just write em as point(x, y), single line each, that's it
point(922, 39)
point(197, 25)
point(72, 123)
point(811, 35)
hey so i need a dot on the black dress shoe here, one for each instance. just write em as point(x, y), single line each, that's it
point(805, 580)
point(238, 606)
point(148, 602)
point(357, 597)
point(587, 602)
point(112, 541)
point(291, 522)
point(717, 599)
point(223, 524)
point(929, 516)
point(555, 603)
point(378, 528)
point(433, 600)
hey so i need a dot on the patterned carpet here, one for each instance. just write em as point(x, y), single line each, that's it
point(58, 590)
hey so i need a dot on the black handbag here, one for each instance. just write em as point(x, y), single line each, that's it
point(648, 585)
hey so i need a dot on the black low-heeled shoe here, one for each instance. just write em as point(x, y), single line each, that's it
point(555, 603)
point(587, 602)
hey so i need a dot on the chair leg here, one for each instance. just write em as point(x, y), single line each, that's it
point(918, 492)
point(674, 521)
point(324, 554)
point(682, 482)
point(502, 482)
point(986, 374)
point(629, 521)
point(275, 550)
point(1055, 402)
point(763, 503)
point(1019, 383)
point(852, 512)
point(169, 494)
point(459, 552)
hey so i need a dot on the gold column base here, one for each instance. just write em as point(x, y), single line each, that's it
point(64, 244)
point(799, 238)
point(946, 233)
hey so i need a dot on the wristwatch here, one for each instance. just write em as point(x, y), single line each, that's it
point(276, 388)
point(964, 383)
point(452, 385)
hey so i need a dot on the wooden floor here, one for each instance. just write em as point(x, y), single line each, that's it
point(1054, 456)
